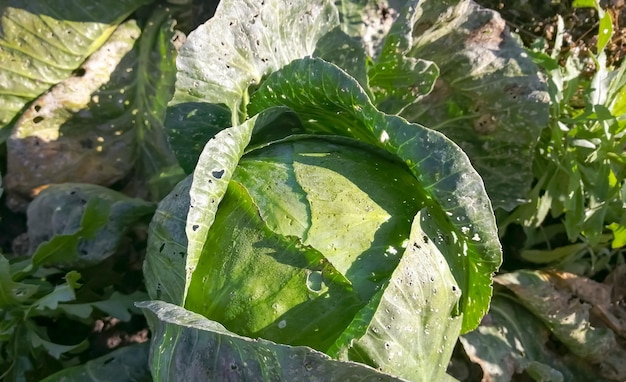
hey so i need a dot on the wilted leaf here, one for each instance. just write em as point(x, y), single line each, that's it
point(604, 298)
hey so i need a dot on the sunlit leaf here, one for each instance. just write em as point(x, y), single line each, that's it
point(43, 42)
point(104, 122)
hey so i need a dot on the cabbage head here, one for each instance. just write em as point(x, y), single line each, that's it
point(316, 237)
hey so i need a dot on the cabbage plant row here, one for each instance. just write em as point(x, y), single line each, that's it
point(330, 183)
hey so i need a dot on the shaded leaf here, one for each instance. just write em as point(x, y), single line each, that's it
point(568, 319)
point(126, 364)
point(164, 265)
point(80, 224)
point(611, 312)
point(194, 125)
point(12, 293)
point(187, 346)
point(117, 305)
point(397, 80)
point(544, 256)
point(61, 293)
point(488, 99)
point(63, 247)
point(344, 51)
point(55, 350)
point(120, 305)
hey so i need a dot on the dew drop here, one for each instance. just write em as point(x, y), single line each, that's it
point(314, 281)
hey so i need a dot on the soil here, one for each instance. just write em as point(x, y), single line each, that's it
point(534, 19)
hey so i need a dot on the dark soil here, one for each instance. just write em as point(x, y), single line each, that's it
point(534, 19)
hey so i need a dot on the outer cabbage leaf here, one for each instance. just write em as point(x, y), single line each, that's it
point(410, 328)
point(220, 270)
point(555, 299)
point(397, 80)
point(457, 226)
point(488, 99)
point(127, 364)
point(344, 51)
point(44, 41)
point(80, 224)
point(164, 265)
point(105, 121)
point(255, 38)
point(187, 346)
point(367, 21)
point(334, 103)
point(512, 341)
